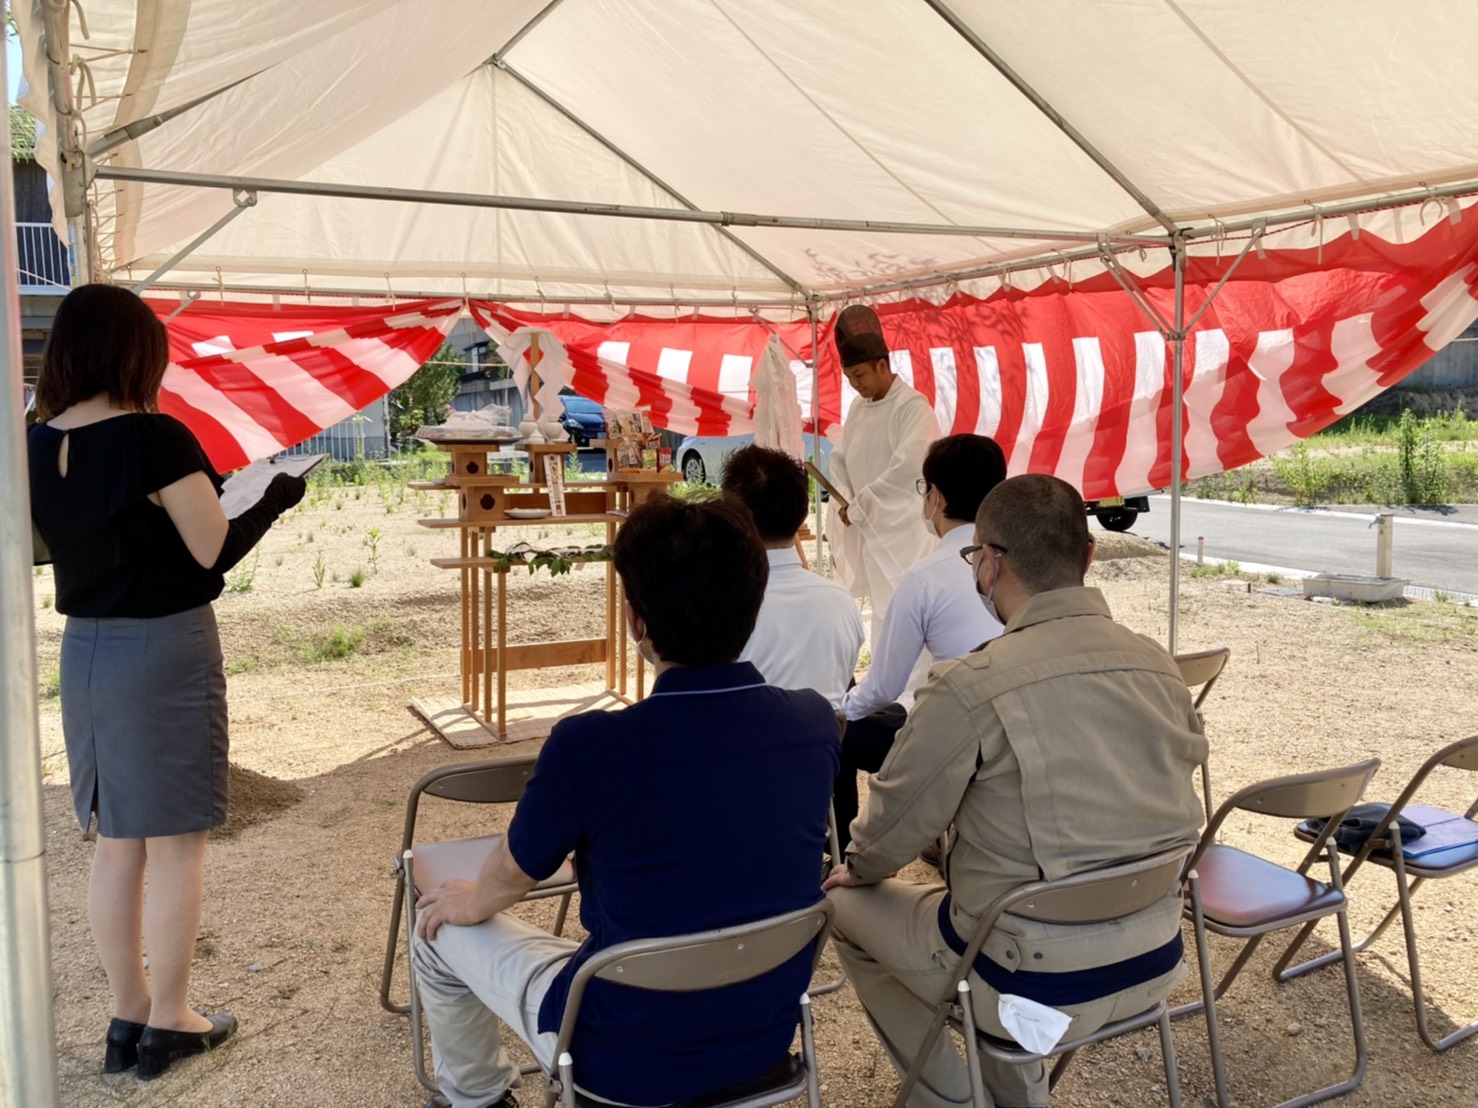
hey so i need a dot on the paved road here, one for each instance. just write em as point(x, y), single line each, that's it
point(1437, 554)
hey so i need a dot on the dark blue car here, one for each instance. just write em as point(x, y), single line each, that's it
point(583, 419)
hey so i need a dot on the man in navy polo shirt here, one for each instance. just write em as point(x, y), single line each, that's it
point(640, 796)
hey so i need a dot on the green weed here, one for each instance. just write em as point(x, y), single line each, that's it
point(243, 576)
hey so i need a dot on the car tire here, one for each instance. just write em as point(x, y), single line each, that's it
point(1117, 519)
point(578, 438)
point(693, 471)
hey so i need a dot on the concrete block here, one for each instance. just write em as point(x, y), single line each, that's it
point(1350, 586)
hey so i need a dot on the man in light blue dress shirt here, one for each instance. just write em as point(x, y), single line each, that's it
point(935, 614)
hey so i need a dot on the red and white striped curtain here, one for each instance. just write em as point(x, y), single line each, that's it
point(251, 380)
point(1069, 379)
point(1074, 379)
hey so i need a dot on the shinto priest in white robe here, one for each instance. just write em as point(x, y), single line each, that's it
point(876, 467)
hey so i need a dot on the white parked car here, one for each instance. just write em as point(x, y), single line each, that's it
point(701, 457)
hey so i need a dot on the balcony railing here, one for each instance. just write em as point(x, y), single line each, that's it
point(44, 265)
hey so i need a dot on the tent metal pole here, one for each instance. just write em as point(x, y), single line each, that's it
point(243, 200)
point(812, 311)
point(27, 1029)
point(1177, 441)
point(787, 305)
point(71, 161)
point(580, 207)
point(529, 26)
point(139, 127)
point(1369, 205)
point(728, 235)
point(981, 47)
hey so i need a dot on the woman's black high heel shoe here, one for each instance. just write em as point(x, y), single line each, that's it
point(159, 1047)
point(123, 1046)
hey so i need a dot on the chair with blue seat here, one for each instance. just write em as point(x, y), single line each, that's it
point(1243, 896)
point(1449, 847)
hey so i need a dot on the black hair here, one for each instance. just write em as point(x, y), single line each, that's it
point(104, 339)
point(695, 572)
point(772, 485)
point(964, 468)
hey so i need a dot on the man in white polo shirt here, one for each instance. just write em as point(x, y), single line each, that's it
point(809, 634)
point(935, 614)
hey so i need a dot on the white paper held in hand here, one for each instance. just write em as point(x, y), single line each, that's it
point(1036, 1027)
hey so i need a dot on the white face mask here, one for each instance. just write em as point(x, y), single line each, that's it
point(642, 646)
point(929, 524)
point(987, 598)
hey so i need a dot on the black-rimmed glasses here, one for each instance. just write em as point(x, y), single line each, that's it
point(968, 553)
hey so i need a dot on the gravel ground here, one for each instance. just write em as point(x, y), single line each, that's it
point(299, 885)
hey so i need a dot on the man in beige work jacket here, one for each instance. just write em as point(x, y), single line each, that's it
point(1066, 744)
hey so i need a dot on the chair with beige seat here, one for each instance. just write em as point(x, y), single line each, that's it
point(1241, 895)
point(696, 962)
point(1201, 670)
point(496, 781)
point(1094, 897)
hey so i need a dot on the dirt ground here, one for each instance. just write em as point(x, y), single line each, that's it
point(299, 884)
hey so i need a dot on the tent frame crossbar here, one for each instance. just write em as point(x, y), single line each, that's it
point(793, 305)
point(580, 207)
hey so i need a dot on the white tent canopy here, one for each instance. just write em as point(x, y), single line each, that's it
point(905, 111)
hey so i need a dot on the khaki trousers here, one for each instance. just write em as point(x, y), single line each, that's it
point(471, 981)
point(888, 938)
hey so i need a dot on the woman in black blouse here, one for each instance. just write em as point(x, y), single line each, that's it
point(129, 507)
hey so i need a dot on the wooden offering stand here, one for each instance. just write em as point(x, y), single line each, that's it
point(487, 713)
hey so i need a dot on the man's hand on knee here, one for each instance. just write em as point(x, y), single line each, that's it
point(450, 902)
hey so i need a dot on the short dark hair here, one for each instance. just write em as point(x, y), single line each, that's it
point(964, 468)
point(772, 485)
point(104, 339)
point(1040, 522)
point(695, 571)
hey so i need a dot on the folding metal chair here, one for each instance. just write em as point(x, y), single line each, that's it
point(1241, 895)
point(497, 781)
point(1098, 896)
point(700, 961)
point(1202, 669)
point(1384, 848)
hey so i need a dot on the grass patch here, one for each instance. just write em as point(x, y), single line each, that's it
point(1419, 621)
point(356, 579)
point(339, 642)
point(1216, 569)
point(51, 684)
point(247, 663)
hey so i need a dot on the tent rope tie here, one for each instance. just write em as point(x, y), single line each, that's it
point(1316, 230)
point(611, 300)
point(466, 302)
point(389, 291)
point(220, 285)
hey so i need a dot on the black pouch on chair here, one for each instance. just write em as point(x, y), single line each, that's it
point(1360, 823)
